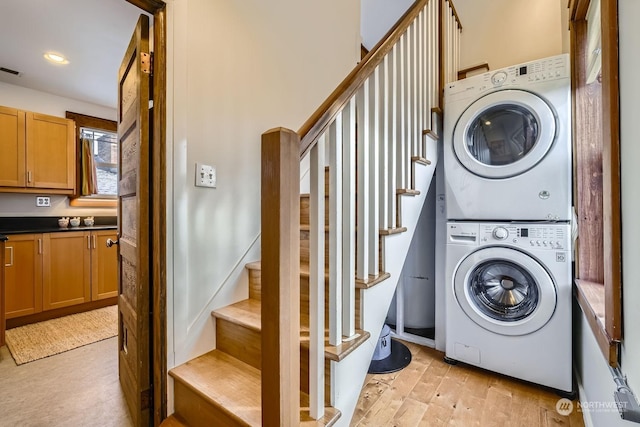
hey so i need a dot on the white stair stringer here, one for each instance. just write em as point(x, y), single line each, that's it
point(348, 375)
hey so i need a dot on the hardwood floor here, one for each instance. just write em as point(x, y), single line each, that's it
point(77, 388)
point(430, 392)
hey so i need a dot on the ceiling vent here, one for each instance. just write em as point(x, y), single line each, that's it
point(7, 70)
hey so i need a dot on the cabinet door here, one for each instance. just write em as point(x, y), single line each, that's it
point(12, 140)
point(51, 159)
point(66, 265)
point(23, 275)
point(104, 265)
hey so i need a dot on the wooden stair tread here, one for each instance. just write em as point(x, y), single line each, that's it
point(331, 416)
point(360, 284)
point(371, 281)
point(390, 231)
point(245, 313)
point(408, 192)
point(339, 352)
point(421, 160)
point(253, 265)
point(173, 421)
point(225, 382)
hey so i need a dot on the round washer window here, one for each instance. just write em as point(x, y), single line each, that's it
point(502, 135)
point(503, 290)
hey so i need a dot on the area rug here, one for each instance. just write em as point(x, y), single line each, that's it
point(43, 339)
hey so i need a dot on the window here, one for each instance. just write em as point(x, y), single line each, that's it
point(104, 146)
point(597, 178)
point(103, 136)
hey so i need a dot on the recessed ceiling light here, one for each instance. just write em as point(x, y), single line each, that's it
point(55, 58)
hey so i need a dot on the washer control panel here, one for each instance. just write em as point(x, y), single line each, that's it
point(543, 236)
point(538, 236)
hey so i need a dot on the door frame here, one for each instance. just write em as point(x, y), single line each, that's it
point(158, 336)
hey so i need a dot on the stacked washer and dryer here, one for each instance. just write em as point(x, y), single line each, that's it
point(507, 166)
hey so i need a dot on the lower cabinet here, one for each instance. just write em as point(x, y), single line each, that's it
point(104, 265)
point(54, 270)
point(66, 269)
point(23, 275)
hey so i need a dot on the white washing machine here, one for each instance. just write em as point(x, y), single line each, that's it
point(508, 299)
point(507, 143)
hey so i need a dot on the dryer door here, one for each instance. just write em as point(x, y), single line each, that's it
point(505, 291)
point(504, 134)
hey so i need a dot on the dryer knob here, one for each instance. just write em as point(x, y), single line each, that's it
point(500, 233)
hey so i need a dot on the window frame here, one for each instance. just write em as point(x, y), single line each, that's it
point(596, 125)
point(83, 120)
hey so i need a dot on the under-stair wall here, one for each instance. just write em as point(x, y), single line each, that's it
point(298, 349)
point(377, 130)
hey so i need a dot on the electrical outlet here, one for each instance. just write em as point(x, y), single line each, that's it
point(43, 201)
point(205, 176)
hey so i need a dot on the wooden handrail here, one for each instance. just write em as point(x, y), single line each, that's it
point(455, 14)
point(324, 115)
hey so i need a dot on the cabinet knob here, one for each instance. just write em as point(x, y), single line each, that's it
point(112, 242)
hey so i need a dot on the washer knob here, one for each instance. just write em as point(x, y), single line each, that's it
point(500, 233)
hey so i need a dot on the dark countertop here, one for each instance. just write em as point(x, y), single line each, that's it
point(45, 224)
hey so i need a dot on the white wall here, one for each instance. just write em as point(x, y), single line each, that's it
point(378, 16)
point(45, 103)
point(509, 32)
point(237, 69)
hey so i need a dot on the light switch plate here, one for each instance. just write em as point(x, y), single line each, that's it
point(205, 175)
point(43, 201)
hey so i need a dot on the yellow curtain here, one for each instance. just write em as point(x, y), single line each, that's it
point(89, 178)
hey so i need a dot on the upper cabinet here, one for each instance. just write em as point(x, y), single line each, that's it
point(12, 146)
point(38, 152)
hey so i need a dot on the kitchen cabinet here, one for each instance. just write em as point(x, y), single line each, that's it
point(38, 152)
point(78, 267)
point(23, 275)
point(66, 269)
point(104, 265)
point(54, 270)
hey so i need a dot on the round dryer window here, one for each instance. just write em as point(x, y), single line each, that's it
point(504, 134)
point(505, 291)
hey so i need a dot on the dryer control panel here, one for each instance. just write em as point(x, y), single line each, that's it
point(524, 75)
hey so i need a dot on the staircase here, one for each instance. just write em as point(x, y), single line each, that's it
point(332, 257)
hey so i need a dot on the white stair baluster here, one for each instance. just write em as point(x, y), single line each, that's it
point(349, 218)
point(362, 110)
point(316, 279)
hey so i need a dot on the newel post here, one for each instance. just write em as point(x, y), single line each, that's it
point(280, 278)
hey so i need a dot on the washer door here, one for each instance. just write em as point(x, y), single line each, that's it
point(505, 291)
point(504, 134)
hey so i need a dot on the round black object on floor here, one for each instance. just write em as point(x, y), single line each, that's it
point(399, 358)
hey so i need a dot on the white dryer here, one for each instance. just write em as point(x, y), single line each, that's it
point(508, 299)
point(507, 143)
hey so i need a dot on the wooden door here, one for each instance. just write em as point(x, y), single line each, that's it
point(23, 275)
point(51, 154)
point(104, 265)
point(134, 226)
point(12, 140)
point(66, 262)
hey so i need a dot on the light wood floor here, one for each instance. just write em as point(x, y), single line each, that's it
point(76, 388)
point(430, 392)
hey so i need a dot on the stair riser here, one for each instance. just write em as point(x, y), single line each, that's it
point(304, 210)
point(244, 344)
point(304, 376)
point(238, 341)
point(196, 411)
